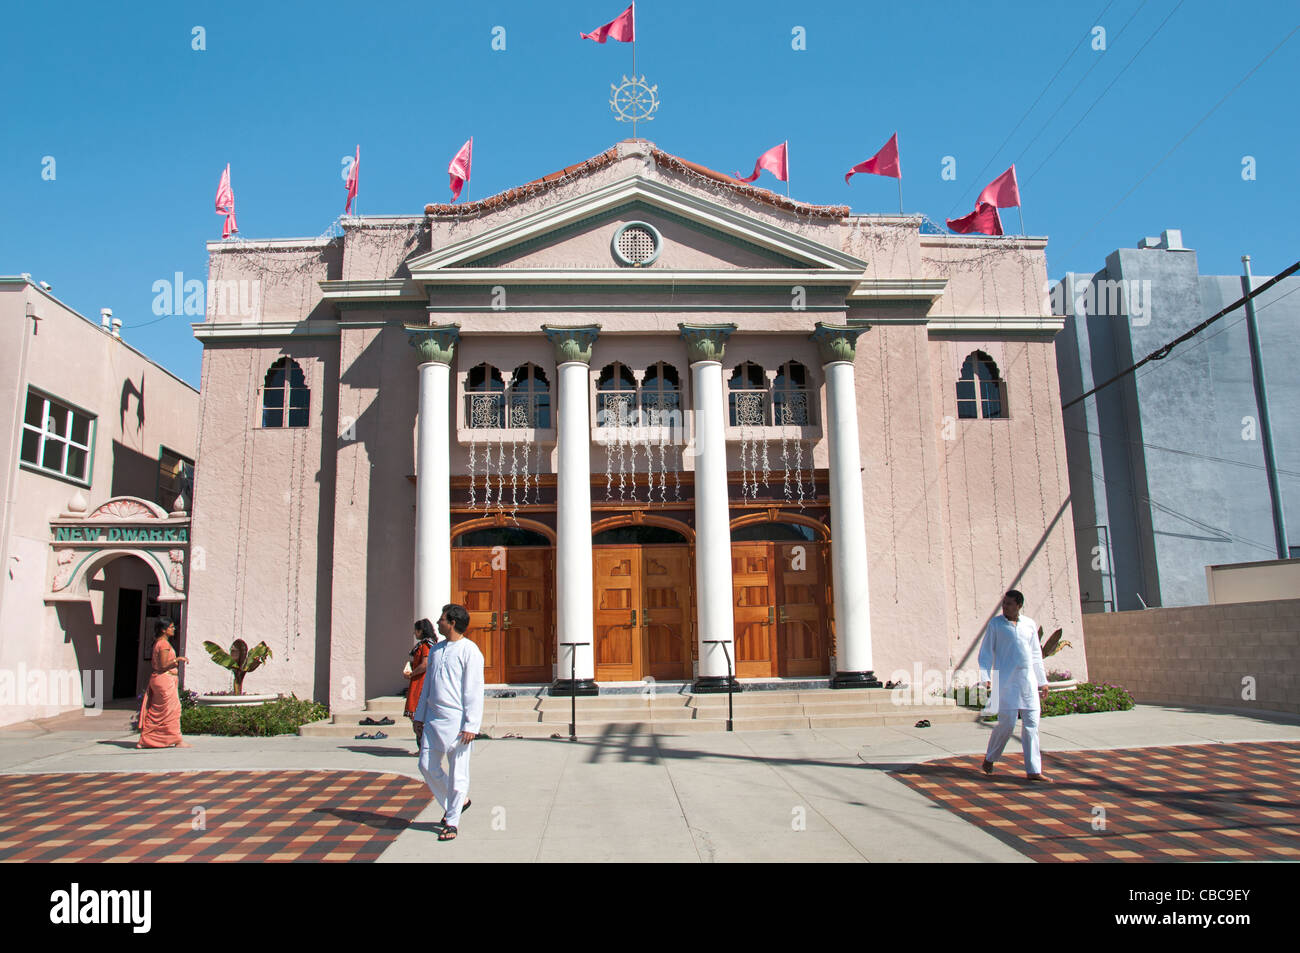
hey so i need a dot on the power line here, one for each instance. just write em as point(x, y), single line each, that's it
point(1065, 137)
point(1186, 453)
point(1074, 49)
point(1163, 352)
point(1179, 143)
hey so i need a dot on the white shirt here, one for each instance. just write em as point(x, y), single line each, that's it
point(1010, 651)
point(452, 698)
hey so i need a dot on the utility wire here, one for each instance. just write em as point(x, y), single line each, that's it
point(1074, 49)
point(1068, 134)
point(1179, 143)
point(1163, 352)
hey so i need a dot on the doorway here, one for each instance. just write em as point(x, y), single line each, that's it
point(506, 579)
point(642, 586)
point(779, 580)
point(127, 654)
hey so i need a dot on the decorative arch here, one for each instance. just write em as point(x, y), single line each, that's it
point(780, 516)
point(981, 391)
point(286, 398)
point(640, 518)
point(86, 565)
point(500, 519)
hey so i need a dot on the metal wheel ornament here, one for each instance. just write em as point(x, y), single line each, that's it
point(633, 100)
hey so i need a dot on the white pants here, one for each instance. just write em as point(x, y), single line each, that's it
point(1028, 737)
point(448, 787)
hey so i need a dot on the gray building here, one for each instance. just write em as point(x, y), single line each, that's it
point(1167, 465)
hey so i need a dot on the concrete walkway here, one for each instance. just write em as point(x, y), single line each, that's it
point(820, 795)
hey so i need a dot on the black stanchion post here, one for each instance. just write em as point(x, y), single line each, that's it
point(573, 684)
point(731, 676)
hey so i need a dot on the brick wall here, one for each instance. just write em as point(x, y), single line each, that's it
point(1201, 655)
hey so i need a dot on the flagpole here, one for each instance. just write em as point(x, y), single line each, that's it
point(787, 168)
point(900, 175)
point(1022, 221)
point(634, 64)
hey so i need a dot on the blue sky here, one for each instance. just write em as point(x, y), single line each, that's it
point(140, 125)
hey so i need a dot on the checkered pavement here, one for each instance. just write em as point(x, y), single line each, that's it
point(1188, 802)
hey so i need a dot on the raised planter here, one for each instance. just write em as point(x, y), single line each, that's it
point(233, 701)
point(1068, 685)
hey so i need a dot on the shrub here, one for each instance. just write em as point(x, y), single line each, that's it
point(1088, 697)
point(282, 717)
point(189, 699)
point(1055, 676)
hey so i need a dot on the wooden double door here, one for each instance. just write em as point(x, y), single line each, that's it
point(781, 600)
point(643, 599)
point(509, 594)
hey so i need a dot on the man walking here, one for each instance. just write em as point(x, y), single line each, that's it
point(451, 707)
point(1010, 651)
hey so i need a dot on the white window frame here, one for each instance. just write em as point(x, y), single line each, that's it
point(45, 434)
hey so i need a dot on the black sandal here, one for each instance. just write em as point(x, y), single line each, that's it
point(463, 808)
point(447, 833)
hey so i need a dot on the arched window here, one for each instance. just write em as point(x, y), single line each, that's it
point(661, 395)
point(615, 396)
point(530, 398)
point(790, 396)
point(980, 391)
point(285, 393)
point(484, 397)
point(748, 397)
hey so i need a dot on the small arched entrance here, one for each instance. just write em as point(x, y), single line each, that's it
point(780, 577)
point(642, 575)
point(505, 576)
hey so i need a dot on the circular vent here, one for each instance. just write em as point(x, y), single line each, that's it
point(637, 244)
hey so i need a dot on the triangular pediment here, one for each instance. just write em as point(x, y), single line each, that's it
point(699, 237)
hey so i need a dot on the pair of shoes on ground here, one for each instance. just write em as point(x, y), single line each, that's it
point(448, 832)
point(923, 723)
point(987, 768)
point(377, 736)
point(370, 721)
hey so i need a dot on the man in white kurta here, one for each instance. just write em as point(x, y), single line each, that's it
point(1011, 664)
point(451, 707)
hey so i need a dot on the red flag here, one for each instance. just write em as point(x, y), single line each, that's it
point(622, 28)
point(1002, 192)
point(353, 174)
point(459, 168)
point(884, 162)
point(226, 203)
point(983, 220)
point(775, 160)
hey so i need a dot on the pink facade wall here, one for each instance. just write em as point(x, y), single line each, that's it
point(957, 511)
point(138, 408)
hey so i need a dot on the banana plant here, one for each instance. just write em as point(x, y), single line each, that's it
point(239, 660)
point(1052, 644)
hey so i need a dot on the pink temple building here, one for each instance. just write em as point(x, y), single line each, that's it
point(645, 422)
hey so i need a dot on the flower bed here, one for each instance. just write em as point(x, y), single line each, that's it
point(1088, 697)
point(282, 717)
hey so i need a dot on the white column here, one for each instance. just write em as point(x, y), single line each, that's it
point(715, 619)
point(853, 665)
point(433, 471)
point(574, 607)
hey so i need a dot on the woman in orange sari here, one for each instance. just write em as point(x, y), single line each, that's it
point(425, 638)
point(160, 712)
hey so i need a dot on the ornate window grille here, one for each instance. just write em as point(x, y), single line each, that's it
point(980, 391)
point(615, 396)
point(661, 395)
point(748, 396)
point(530, 398)
point(285, 397)
point(791, 403)
point(485, 398)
